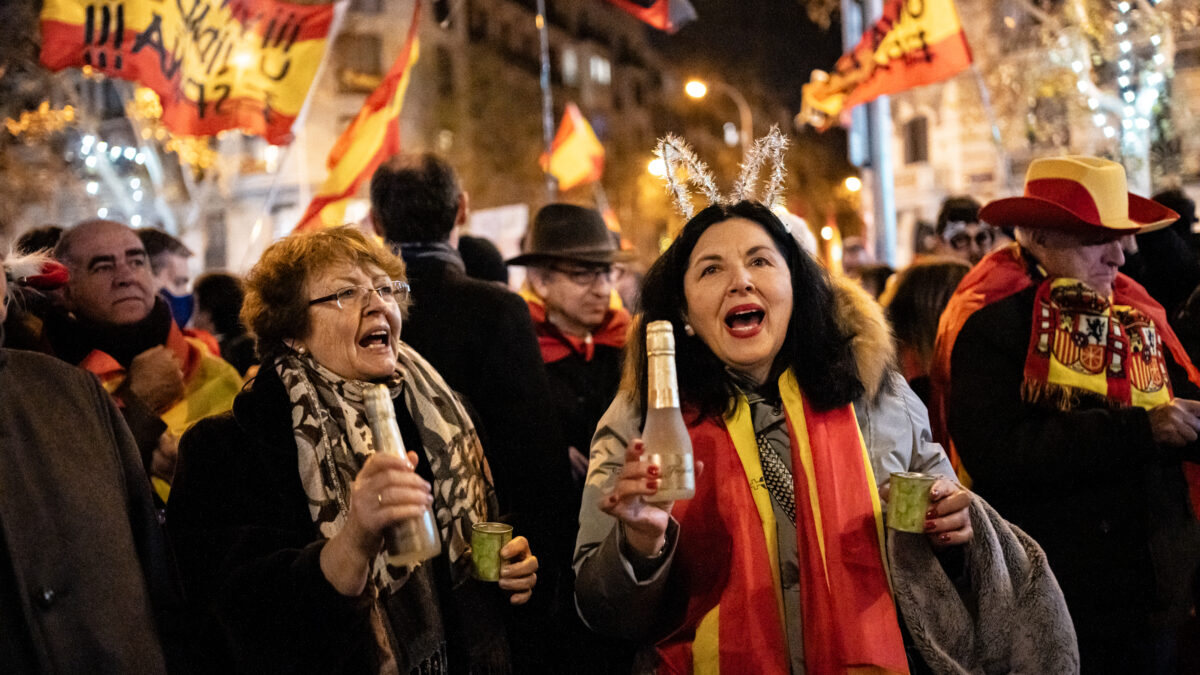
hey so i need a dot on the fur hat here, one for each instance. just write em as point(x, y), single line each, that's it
point(568, 232)
point(1078, 194)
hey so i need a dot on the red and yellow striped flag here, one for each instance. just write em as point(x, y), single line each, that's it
point(219, 64)
point(912, 44)
point(576, 156)
point(371, 138)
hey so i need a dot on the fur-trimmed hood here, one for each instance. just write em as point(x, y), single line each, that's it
point(858, 315)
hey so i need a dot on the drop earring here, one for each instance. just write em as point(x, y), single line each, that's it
point(687, 328)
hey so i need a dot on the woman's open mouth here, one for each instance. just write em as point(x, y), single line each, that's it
point(745, 321)
point(377, 339)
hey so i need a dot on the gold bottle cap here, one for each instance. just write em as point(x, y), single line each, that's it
point(660, 338)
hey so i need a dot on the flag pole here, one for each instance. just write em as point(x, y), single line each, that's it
point(547, 97)
point(986, 98)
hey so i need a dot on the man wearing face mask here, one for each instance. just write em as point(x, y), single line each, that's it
point(1073, 407)
point(169, 266)
point(122, 331)
point(960, 233)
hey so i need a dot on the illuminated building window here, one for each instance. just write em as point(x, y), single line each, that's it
point(600, 70)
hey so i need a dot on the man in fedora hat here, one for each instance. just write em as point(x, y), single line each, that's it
point(1070, 403)
point(569, 254)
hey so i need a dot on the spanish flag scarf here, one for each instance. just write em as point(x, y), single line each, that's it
point(1005, 272)
point(728, 553)
point(1083, 343)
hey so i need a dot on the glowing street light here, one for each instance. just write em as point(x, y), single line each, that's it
point(698, 89)
point(853, 184)
point(657, 167)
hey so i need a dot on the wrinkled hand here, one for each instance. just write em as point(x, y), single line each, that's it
point(1175, 424)
point(156, 377)
point(385, 492)
point(948, 522)
point(162, 461)
point(518, 570)
point(645, 524)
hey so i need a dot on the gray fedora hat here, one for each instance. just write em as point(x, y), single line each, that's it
point(569, 232)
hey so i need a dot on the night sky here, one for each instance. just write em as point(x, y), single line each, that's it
point(768, 40)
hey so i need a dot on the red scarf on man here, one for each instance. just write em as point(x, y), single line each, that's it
point(557, 345)
point(849, 618)
point(1002, 273)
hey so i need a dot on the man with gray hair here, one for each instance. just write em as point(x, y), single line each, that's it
point(1073, 407)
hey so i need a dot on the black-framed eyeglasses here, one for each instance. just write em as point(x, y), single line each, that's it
point(982, 239)
point(585, 276)
point(392, 292)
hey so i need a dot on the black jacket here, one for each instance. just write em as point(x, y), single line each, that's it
point(249, 554)
point(479, 337)
point(1109, 506)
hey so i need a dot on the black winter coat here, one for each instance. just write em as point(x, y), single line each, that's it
point(1109, 506)
point(480, 339)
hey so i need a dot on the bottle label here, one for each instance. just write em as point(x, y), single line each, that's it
point(677, 479)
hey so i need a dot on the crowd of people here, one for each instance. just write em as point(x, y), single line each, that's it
point(191, 484)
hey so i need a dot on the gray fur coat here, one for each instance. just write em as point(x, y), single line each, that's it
point(1013, 618)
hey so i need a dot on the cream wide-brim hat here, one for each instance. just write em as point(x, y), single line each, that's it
point(1078, 194)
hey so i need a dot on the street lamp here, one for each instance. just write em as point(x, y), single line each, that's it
point(697, 89)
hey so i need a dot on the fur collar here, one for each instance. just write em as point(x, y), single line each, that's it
point(858, 315)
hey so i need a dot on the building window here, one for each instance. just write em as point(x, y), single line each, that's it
point(916, 140)
point(570, 66)
point(358, 65)
point(600, 70)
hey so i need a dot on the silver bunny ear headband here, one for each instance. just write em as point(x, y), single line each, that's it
point(676, 153)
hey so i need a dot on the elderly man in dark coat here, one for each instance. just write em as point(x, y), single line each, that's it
point(1072, 406)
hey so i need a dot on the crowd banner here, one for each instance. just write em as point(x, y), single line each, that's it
point(915, 42)
point(371, 138)
point(215, 64)
point(576, 156)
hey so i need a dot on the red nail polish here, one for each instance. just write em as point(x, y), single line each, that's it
point(652, 484)
point(929, 525)
point(944, 537)
point(652, 470)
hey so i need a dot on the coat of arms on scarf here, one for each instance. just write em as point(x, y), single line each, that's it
point(1083, 343)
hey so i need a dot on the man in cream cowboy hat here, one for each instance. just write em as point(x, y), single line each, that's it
point(1071, 405)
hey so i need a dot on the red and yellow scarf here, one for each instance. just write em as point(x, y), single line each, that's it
point(1083, 343)
point(557, 345)
point(210, 385)
point(729, 559)
point(1004, 272)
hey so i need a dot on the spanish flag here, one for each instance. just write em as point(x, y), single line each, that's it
point(576, 156)
point(371, 138)
point(216, 65)
point(912, 44)
point(665, 15)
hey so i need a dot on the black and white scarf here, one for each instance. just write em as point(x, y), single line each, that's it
point(334, 440)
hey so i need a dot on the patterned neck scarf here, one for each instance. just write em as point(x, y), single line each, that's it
point(334, 440)
point(1082, 343)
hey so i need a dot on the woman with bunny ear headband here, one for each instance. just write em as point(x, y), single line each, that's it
point(778, 563)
